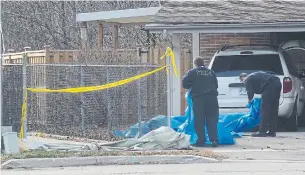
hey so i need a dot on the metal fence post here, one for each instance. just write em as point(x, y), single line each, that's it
point(82, 100)
point(139, 109)
point(169, 92)
point(1, 102)
point(109, 115)
point(24, 86)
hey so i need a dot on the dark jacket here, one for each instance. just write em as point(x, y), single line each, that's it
point(201, 81)
point(256, 82)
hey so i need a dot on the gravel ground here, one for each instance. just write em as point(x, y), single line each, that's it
point(53, 154)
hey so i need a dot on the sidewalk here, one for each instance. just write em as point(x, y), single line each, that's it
point(239, 168)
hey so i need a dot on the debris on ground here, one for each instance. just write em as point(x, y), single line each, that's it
point(163, 138)
point(61, 154)
point(72, 138)
point(162, 141)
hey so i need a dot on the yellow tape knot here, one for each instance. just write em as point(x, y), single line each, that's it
point(169, 53)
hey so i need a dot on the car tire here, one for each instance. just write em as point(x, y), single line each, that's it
point(291, 122)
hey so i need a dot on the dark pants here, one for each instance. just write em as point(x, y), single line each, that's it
point(270, 106)
point(206, 110)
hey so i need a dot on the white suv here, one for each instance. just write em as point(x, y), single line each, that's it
point(230, 61)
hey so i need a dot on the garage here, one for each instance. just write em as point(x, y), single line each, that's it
point(215, 24)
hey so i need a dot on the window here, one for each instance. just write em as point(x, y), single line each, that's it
point(290, 65)
point(233, 65)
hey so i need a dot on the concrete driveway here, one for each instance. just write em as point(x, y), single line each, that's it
point(286, 146)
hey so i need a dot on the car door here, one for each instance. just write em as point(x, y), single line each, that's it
point(296, 51)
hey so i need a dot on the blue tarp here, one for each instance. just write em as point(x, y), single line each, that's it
point(229, 125)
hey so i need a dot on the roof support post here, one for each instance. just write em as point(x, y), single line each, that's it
point(196, 44)
point(84, 35)
point(100, 36)
point(174, 100)
point(116, 36)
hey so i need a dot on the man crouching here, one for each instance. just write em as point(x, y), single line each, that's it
point(270, 87)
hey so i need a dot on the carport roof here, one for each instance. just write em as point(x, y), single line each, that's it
point(230, 12)
point(140, 15)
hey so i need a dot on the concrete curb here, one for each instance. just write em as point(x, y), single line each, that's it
point(103, 160)
point(262, 161)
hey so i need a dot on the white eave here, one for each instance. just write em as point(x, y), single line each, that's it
point(227, 28)
point(140, 15)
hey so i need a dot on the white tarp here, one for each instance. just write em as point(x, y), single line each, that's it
point(163, 138)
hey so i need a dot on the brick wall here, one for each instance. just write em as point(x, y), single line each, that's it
point(210, 43)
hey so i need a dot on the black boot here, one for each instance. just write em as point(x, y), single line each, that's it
point(259, 134)
point(271, 134)
point(199, 144)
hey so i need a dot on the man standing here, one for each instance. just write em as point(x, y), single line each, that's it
point(270, 87)
point(203, 85)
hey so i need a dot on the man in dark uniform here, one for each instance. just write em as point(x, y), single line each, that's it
point(203, 85)
point(270, 87)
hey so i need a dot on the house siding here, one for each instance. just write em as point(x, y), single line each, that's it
point(210, 43)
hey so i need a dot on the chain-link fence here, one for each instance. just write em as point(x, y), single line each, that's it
point(93, 114)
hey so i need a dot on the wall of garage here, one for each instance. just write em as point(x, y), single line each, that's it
point(287, 36)
point(210, 43)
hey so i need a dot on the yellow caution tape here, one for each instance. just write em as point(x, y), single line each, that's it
point(169, 53)
point(40, 134)
point(96, 88)
point(23, 116)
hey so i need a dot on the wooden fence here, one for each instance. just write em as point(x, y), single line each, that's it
point(48, 56)
point(40, 57)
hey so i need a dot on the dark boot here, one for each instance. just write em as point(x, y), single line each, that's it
point(198, 145)
point(271, 134)
point(259, 134)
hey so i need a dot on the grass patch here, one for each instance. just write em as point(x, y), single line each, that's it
point(61, 154)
